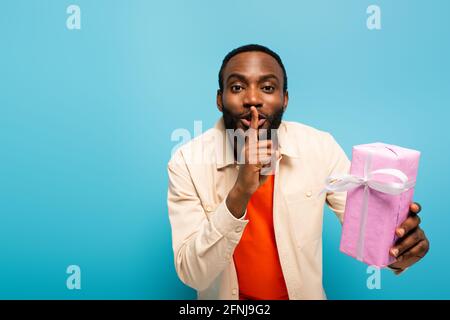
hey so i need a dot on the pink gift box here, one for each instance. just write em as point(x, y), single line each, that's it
point(379, 203)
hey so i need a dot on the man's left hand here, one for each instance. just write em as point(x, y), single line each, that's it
point(412, 244)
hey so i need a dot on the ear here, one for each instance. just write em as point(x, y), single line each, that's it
point(285, 100)
point(219, 100)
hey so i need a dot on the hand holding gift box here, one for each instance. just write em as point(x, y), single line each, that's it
point(381, 226)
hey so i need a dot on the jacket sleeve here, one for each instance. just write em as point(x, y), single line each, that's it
point(203, 239)
point(338, 164)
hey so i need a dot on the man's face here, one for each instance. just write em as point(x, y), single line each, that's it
point(252, 79)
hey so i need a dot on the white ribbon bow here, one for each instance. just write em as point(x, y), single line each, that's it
point(347, 182)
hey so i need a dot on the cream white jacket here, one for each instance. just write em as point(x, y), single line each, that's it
point(205, 233)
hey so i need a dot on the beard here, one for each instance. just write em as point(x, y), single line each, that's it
point(231, 121)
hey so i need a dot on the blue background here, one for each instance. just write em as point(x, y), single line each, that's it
point(86, 118)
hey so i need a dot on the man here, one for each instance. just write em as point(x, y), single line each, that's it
point(247, 224)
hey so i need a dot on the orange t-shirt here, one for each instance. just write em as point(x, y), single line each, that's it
point(256, 256)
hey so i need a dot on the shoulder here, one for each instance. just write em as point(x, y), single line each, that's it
point(308, 138)
point(299, 128)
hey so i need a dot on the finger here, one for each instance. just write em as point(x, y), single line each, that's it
point(265, 147)
point(264, 159)
point(268, 169)
point(265, 151)
point(259, 148)
point(255, 118)
point(265, 144)
point(412, 255)
point(415, 208)
point(253, 130)
point(262, 152)
point(408, 242)
point(260, 157)
point(251, 151)
point(409, 224)
point(399, 267)
point(253, 156)
point(397, 270)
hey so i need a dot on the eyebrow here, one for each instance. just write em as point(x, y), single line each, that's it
point(244, 79)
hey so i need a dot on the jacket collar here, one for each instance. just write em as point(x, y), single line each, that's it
point(225, 153)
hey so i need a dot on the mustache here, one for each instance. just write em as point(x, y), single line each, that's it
point(231, 120)
point(248, 116)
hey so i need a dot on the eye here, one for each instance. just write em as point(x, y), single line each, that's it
point(236, 88)
point(268, 89)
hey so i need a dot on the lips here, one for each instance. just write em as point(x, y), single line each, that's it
point(246, 122)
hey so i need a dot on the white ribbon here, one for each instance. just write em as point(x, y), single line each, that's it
point(347, 182)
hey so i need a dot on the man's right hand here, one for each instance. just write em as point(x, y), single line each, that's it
point(258, 155)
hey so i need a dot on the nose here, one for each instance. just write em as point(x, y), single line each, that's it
point(252, 98)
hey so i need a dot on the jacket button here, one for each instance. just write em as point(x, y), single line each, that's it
point(234, 292)
point(238, 229)
point(208, 208)
point(309, 194)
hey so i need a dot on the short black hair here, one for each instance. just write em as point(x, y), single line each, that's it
point(249, 48)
